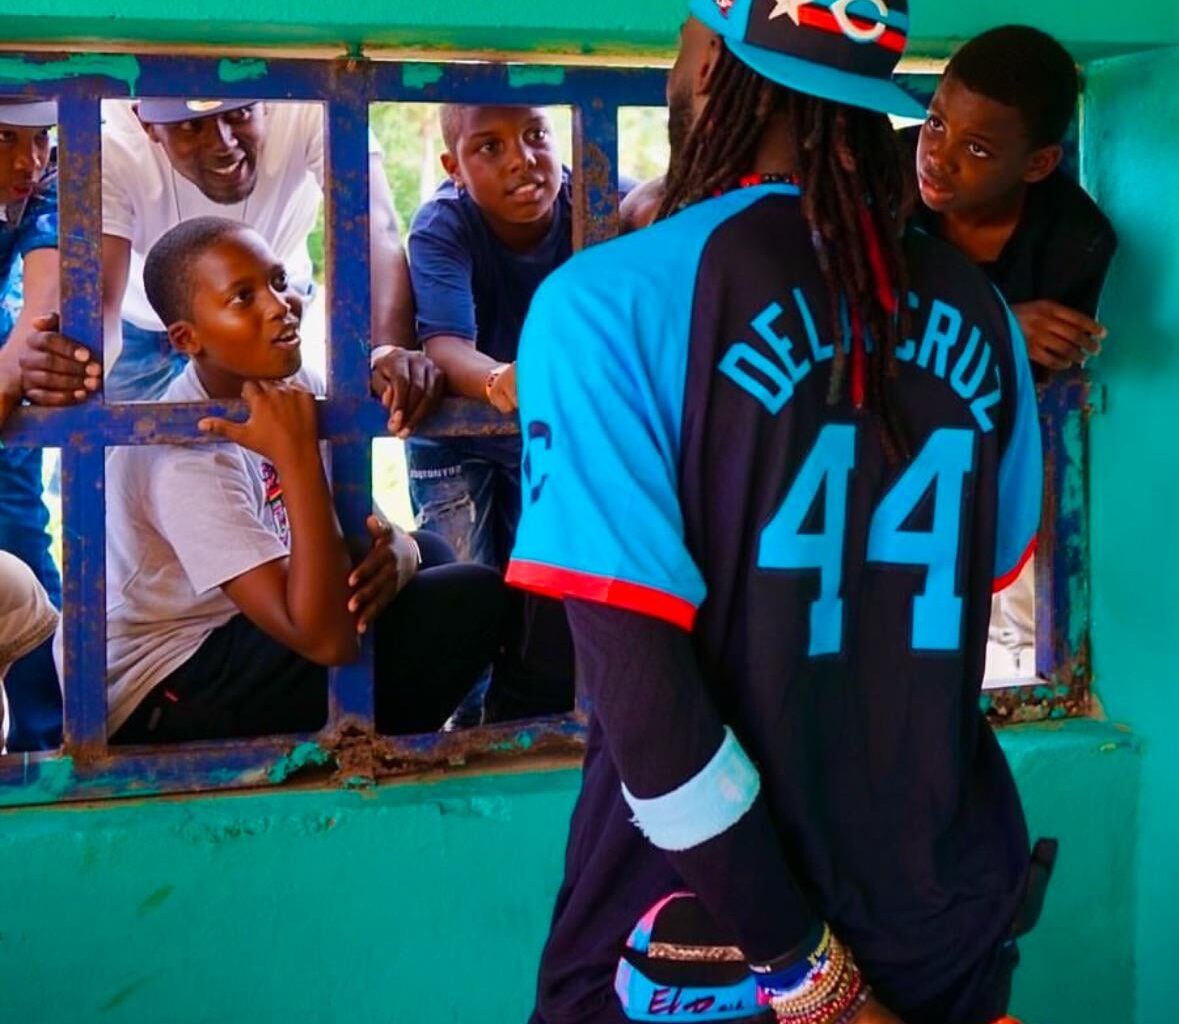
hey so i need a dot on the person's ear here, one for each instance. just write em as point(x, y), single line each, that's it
point(707, 69)
point(143, 124)
point(184, 339)
point(451, 166)
point(1042, 163)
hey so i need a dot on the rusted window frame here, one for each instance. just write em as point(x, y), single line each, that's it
point(349, 751)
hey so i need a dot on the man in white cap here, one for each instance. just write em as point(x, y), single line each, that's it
point(168, 160)
point(260, 163)
point(778, 452)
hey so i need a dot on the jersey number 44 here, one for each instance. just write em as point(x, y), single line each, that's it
point(942, 465)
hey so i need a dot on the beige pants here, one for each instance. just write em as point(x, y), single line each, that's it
point(1013, 618)
point(27, 619)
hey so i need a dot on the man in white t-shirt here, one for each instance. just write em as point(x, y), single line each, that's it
point(261, 164)
point(168, 160)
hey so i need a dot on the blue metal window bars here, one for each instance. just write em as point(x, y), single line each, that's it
point(348, 751)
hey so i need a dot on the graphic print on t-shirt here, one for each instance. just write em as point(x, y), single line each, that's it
point(275, 502)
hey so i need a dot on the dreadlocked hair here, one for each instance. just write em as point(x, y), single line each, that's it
point(857, 194)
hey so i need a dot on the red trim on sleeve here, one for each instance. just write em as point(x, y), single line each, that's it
point(1003, 582)
point(632, 597)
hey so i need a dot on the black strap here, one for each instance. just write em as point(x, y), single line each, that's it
point(1039, 875)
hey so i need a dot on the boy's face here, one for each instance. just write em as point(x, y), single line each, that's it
point(974, 152)
point(504, 158)
point(243, 315)
point(217, 154)
point(24, 155)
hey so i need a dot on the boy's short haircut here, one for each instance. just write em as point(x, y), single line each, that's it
point(450, 120)
point(167, 271)
point(1022, 67)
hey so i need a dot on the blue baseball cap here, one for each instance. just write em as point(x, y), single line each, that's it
point(840, 50)
point(28, 113)
point(174, 111)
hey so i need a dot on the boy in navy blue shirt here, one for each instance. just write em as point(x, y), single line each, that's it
point(478, 250)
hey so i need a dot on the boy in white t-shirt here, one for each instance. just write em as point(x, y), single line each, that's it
point(229, 586)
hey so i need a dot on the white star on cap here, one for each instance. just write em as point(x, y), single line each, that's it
point(790, 8)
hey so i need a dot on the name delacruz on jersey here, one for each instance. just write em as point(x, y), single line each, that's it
point(772, 373)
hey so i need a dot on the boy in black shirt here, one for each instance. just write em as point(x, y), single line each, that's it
point(988, 167)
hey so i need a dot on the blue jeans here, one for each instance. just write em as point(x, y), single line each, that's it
point(472, 502)
point(34, 695)
point(145, 367)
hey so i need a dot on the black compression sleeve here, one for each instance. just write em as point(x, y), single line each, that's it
point(662, 728)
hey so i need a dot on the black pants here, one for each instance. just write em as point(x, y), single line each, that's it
point(430, 646)
point(534, 673)
point(980, 997)
point(983, 992)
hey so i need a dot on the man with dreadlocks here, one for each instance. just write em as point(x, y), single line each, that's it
point(775, 499)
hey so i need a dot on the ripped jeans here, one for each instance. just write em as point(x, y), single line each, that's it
point(472, 502)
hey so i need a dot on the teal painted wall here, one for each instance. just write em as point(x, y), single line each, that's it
point(333, 907)
point(330, 906)
point(1132, 162)
point(408, 905)
point(617, 26)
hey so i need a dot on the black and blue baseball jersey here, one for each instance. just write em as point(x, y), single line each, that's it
point(682, 462)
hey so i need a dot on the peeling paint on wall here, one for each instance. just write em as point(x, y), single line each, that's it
point(302, 756)
point(522, 75)
point(1072, 509)
point(48, 779)
point(122, 67)
point(419, 76)
point(242, 70)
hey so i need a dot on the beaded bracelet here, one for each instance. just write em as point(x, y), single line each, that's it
point(825, 987)
point(845, 1003)
point(856, 1006)
point(821, 1005)
point(787, 974)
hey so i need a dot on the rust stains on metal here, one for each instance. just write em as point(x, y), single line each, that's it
point(362, 758)
point(1040, 702)
point(601, 220)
